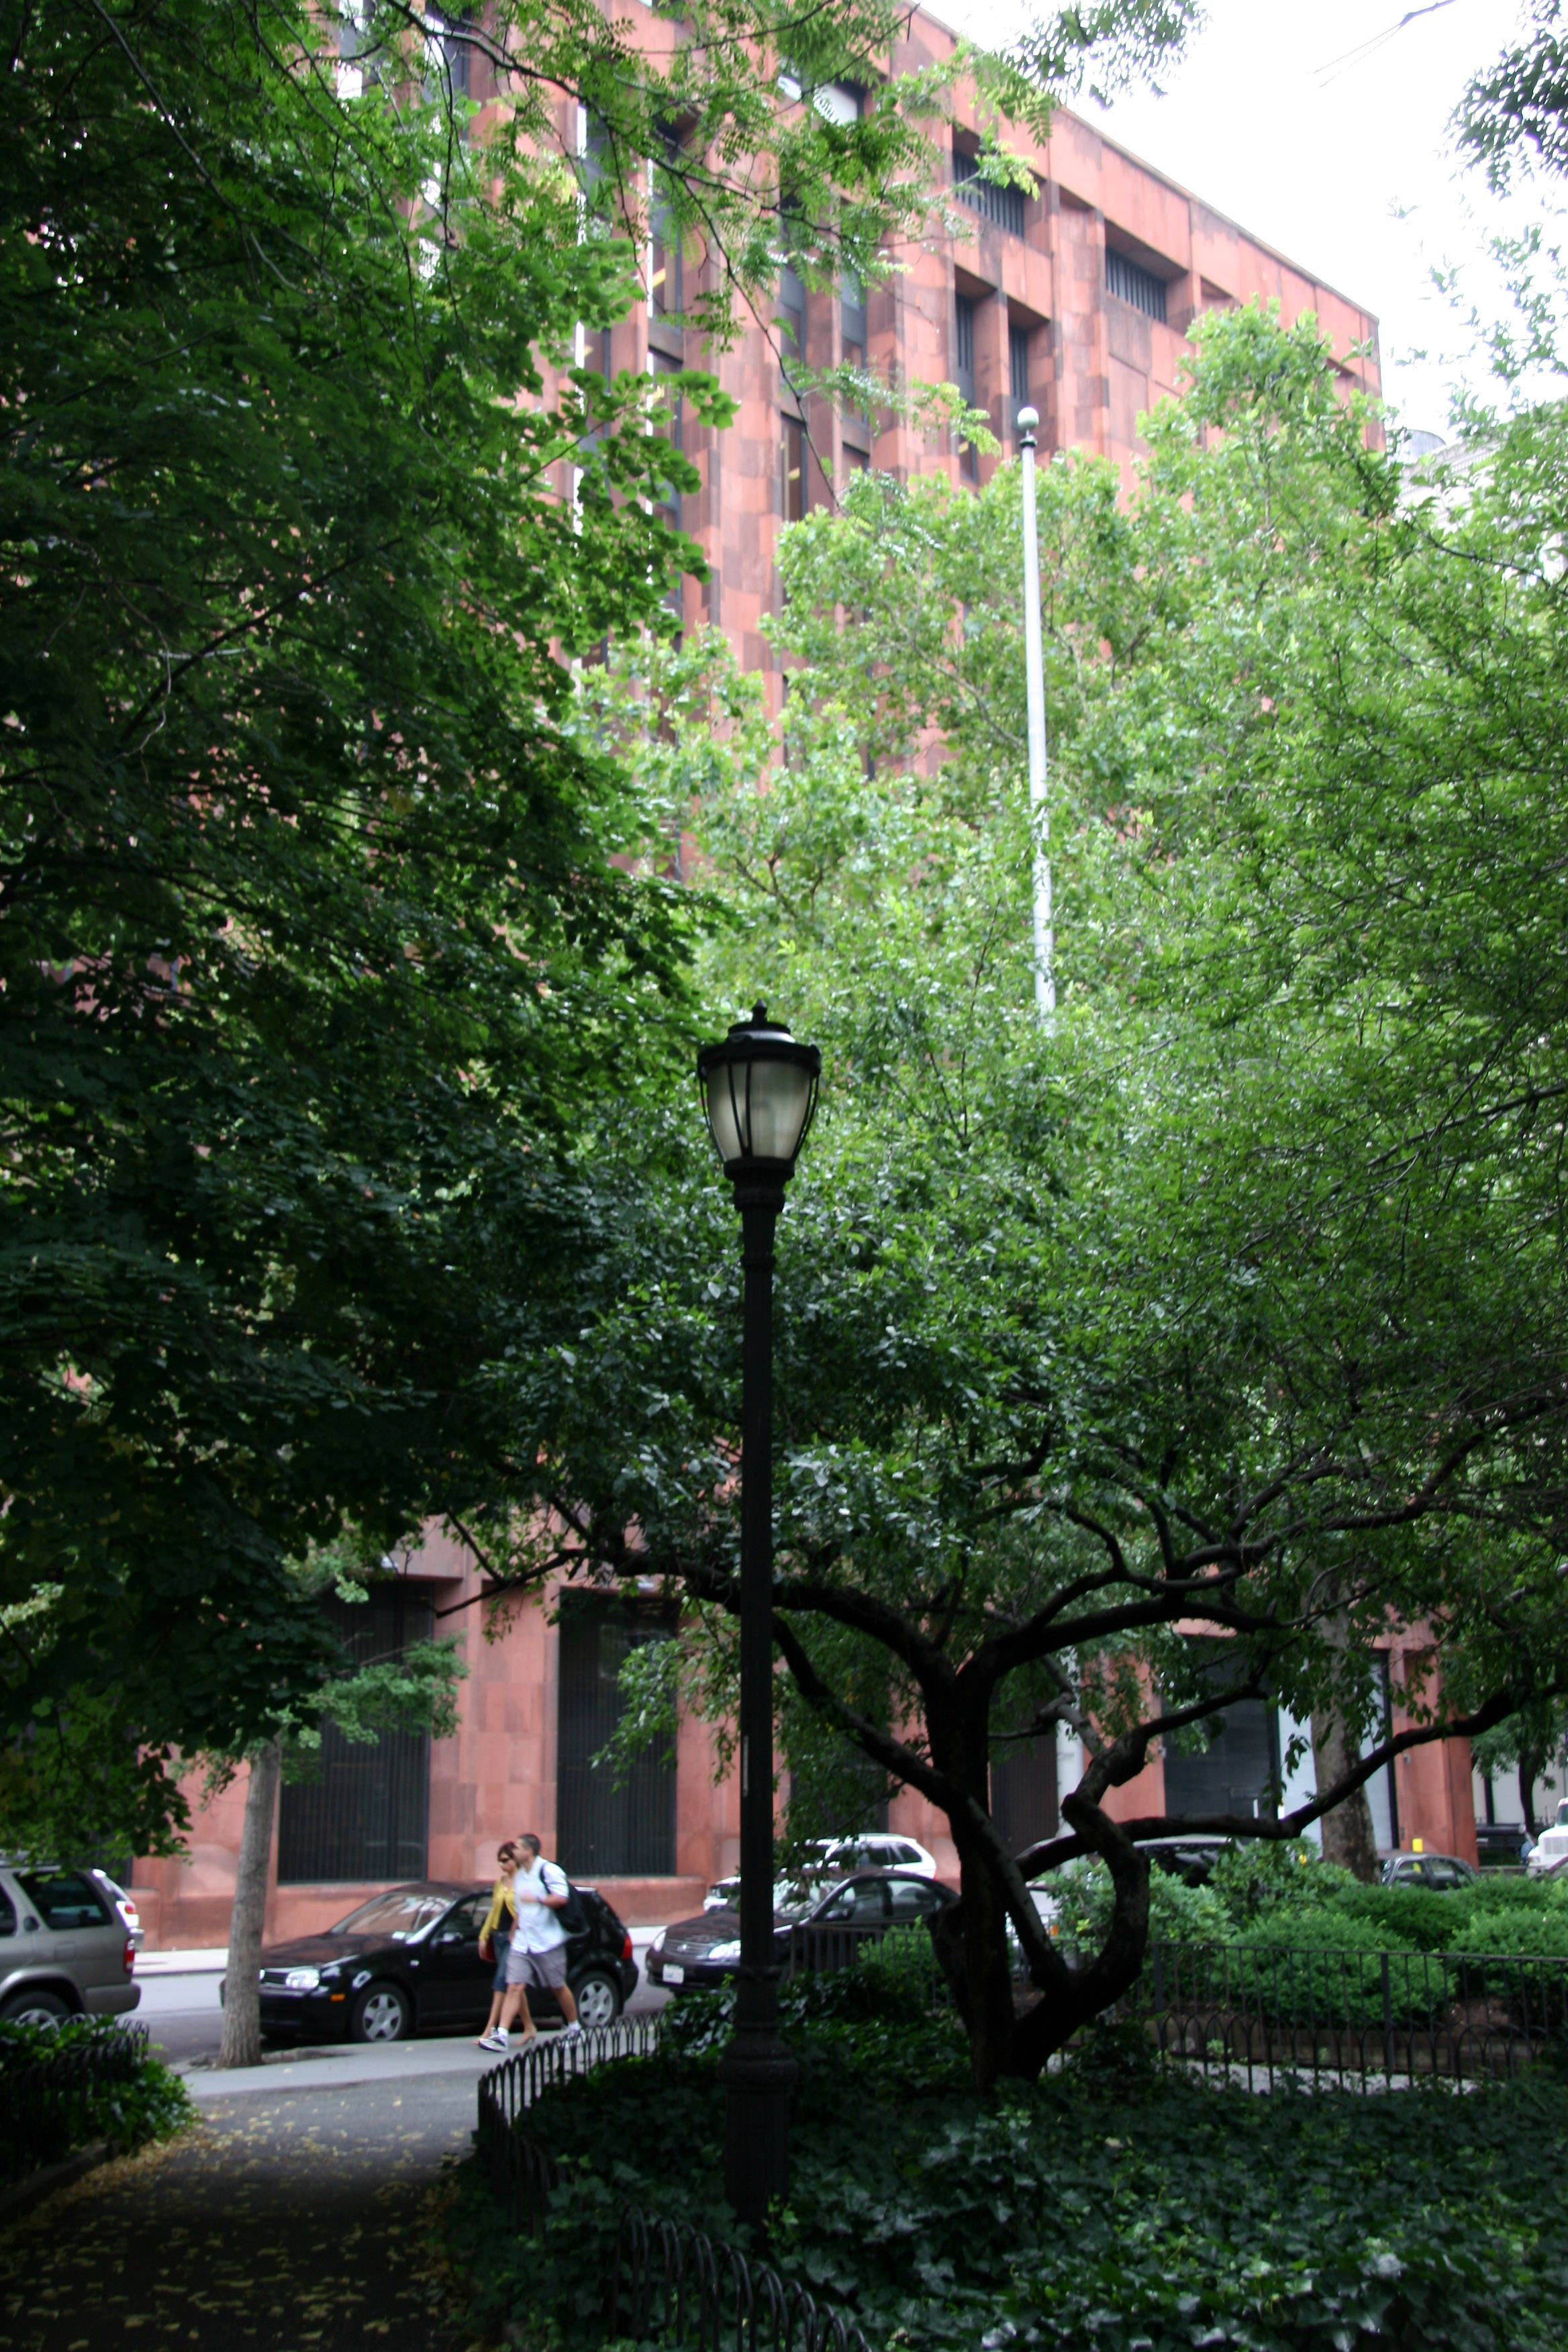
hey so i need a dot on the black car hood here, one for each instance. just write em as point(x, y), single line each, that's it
point(708, 1928)
point(320, 1951)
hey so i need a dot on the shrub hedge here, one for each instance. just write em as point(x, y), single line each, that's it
point(62, 2087)
point(1104, 2208)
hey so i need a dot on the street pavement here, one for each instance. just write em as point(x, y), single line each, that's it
point(179, 2007)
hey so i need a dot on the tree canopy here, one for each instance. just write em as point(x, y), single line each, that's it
point(320, 926)
point(1233, 1301)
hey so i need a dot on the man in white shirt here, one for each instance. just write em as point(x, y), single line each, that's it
point(537, 1953)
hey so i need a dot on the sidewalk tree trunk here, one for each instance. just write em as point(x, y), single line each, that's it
point(1347, 1833)
point(242, 2000)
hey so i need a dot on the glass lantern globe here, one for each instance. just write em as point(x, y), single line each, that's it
point(759, 1090)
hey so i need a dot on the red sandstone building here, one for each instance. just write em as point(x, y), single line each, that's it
point(1076, 300)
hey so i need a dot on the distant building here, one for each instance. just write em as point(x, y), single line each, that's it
point(1076, 301)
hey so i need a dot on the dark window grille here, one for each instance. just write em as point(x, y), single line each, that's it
point(1130, 282)
point(455, 52)
point(852, 323)
point(665, 295)
point(604, 1830)
point(1018, 369)
point(1239, 1772)
point(792, 455)
point(1023, 1792)
point(1003, 208)
point(365, 1816)
point(792, 329)
point(670, 502)
point(963, 369)
point(965, 345)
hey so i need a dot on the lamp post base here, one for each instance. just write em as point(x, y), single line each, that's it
point(758, 2074)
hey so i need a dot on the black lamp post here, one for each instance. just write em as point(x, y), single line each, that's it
point(759, 1090)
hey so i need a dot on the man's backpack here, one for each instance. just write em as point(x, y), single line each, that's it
point(573, 1913)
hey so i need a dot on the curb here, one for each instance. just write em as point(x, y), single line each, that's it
point(15, 2203)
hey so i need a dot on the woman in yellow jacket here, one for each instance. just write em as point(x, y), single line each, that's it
point(496, 1935)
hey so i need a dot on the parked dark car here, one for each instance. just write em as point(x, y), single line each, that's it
point(1190, 1859)
point(1502, 1843)
point(1445, 1873)
point(702, 1952)
point(409, 1962)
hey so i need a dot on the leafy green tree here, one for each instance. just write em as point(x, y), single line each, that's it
point(316, 925)
point(1234, 1300)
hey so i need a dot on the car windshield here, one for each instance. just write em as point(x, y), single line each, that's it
point(793, 1897)
point(405, 1912)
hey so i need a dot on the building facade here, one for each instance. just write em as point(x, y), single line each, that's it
point(1076, 300)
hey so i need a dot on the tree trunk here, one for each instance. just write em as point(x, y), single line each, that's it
point(242, 1998)
point(1532, 1765)
point(1347, 1832)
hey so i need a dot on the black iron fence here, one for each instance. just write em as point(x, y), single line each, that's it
point(51, 2102)
point(1360, 2020)
point(507, 2089)
point(670, 2285)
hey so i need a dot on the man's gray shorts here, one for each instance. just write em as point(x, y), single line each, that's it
point(545, 1970)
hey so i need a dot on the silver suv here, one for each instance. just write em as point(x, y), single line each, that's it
point(64, 1951)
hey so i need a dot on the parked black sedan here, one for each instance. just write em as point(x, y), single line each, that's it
point(409, 1961)
point(704, 1951)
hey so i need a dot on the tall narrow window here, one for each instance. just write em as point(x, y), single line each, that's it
point(608, 1823)
point(1017, 368)
point(364, 1814)
point(963, 369)
point(793, 457)
point(792, 319)
point(1233, 1765)
point(852, 322)
point(450, 57)
point(1024, 1791)
point(666, 298)
point(663, 368)
point(964, 355)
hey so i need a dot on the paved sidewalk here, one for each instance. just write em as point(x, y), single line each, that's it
point(343, 2065)
point(289, 2223)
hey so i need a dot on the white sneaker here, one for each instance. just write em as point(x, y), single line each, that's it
point(573, 2032)
point(496, 2040)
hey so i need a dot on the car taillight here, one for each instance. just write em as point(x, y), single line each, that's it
point(626, 1947)
point(129, 1956)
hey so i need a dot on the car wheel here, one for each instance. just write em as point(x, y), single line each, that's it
point(39, 2009)
point(598, 1999)
point(383, 2012)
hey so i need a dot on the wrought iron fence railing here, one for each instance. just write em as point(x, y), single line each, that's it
point(1359, 2019)
point(507, 2089)
point(672, 2286)
point(1267, 2010)
point(48, 2102)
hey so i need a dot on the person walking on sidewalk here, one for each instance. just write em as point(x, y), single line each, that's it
point(495, 1938)
point(537, 1954)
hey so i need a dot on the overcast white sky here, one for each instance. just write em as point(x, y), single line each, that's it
point(1329, 141)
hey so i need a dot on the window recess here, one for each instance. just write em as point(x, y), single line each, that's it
point(1130, 282)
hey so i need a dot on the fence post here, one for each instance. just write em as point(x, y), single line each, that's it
point(1387, 2020)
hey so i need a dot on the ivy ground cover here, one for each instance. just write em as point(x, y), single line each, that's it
point(1108, 2209)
